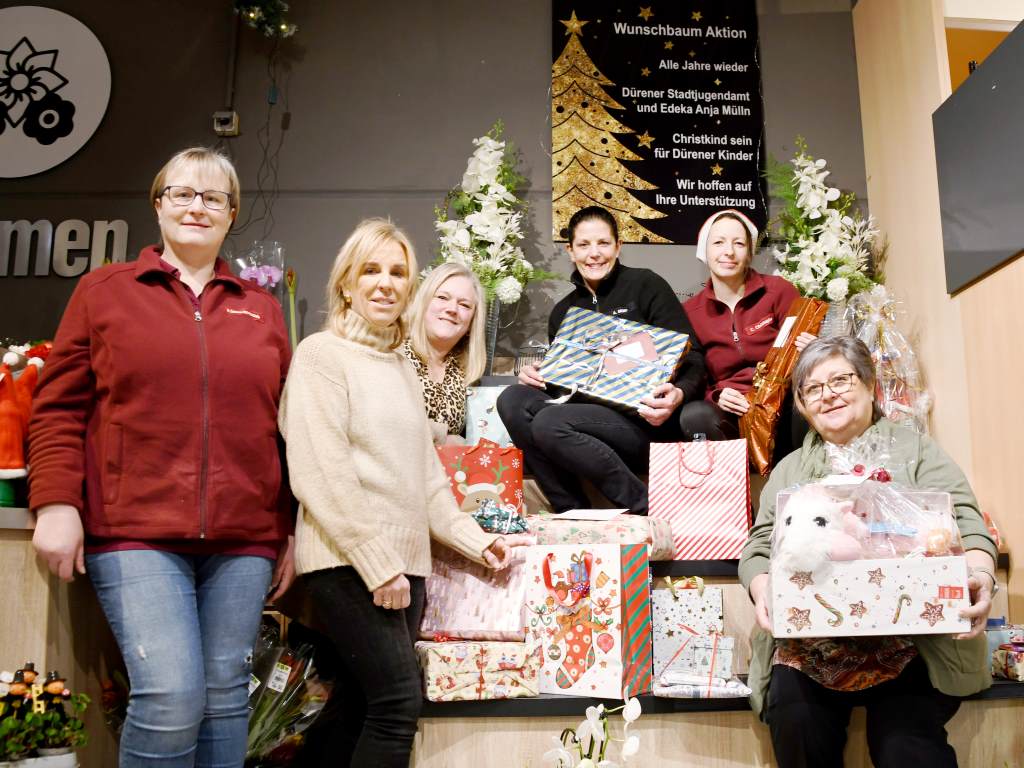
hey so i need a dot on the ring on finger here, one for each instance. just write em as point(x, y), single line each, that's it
point(386, 604)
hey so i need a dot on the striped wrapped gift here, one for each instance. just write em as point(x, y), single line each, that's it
point(703, 490)
point(610, 359)
point(589, 608)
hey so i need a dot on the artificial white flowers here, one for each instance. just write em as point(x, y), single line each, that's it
point(586, 746)
point(828, 249)
point(480, 223)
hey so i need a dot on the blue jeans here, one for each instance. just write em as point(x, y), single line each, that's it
point(186, 625)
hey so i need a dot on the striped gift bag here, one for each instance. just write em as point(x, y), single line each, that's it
point(703, 490)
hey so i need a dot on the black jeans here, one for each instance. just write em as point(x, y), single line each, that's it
point(906, 720)
point(563, 443)
point(370, 719)
point(707, 417)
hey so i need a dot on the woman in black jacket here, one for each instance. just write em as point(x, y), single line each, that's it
point(566, 443)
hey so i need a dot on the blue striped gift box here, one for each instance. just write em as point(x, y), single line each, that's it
point(610, 359)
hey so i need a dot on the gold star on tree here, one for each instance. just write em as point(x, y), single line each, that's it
point(646, 13)
point(669, 45)
point(717, 81)
point(573, 26)
point(645, 72)
point(696, 15)
point(645, 139)
point(716, 169)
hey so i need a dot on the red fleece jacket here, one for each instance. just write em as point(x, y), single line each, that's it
point(736, 341)
point(159, 422)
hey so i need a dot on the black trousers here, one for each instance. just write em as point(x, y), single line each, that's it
point(370, 720)
point(906, 719)
point(563, 443)
point(707, 417)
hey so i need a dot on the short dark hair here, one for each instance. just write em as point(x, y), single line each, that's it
point(850, 348)
point(593, 212)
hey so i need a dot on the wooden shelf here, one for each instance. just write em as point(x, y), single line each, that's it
point(551, 705)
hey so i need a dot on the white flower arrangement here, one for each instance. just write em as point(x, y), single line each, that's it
point(828, 250)
point(479, 224)
point(576, 748)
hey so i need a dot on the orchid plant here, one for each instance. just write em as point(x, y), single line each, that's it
point(586, 746)
point(828, 249)
point(480, 222)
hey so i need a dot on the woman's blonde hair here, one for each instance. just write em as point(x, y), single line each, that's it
point(367, 238)
point(470, 351)
point(205, 159)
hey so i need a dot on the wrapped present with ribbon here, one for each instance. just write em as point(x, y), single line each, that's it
point(610, 359)
point(495, 519)
point(589, 608)
point(567, 528)
point(474, 671)
point(681, 685)
point(469, 601)
point(1008, 661)
point(484, 471)
point(685, 612)
point(771, 381)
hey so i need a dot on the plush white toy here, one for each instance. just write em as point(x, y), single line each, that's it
point(815, 528)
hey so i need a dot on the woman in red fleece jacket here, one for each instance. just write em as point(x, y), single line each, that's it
point(155, 464)
point(736, 317)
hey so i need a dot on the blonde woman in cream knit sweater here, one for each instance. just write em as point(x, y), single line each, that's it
point(372, 494)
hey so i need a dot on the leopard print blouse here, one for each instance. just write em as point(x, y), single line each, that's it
point(445, 401)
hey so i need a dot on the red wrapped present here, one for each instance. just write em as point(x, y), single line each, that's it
point(484, 471)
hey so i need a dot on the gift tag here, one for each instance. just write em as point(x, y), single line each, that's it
point(279, 677)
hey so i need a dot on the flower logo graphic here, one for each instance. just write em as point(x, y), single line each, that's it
point(29, 83)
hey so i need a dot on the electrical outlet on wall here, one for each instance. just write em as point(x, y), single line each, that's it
point(225, 123)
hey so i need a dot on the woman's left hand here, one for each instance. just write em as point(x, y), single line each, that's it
point(803, 340)
point(980, 586)
point(660, 404)
point(284, 570)
point(498, 555)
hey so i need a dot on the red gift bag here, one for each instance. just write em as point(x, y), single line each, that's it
point(484, 471)
point(703, 490)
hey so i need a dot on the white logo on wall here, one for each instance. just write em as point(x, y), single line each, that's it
point(54, 88)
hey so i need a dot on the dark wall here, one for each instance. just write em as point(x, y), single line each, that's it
point(384, 100)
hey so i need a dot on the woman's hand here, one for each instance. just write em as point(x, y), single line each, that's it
point(499, 554)
point(530, 376)
point(60, 540)
point(980, 584)
point(759, 594)
point(733, 401)
point(394, 595)
point(660, 404)
point(803, 340)
point(284, 570)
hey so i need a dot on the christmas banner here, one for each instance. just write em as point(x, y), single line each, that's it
point(656, 115)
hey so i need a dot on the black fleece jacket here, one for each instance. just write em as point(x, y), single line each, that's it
point(643, 296)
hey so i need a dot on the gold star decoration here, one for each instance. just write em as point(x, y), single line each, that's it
point(799, 619)
point(669, 45)
point(716, 169)
point(670, 633)
point(646, 13)
point(645, 71)
point(696, 16)
point(717, 81)
point(573, 26)
point(875, 577)
point(800, 578)
point(645, 139)
point(692, 54)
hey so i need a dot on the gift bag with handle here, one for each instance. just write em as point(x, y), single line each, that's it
point(703, 490)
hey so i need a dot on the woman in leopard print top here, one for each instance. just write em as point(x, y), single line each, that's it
point(446, 345)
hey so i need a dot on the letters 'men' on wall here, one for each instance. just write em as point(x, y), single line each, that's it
point(69, 249)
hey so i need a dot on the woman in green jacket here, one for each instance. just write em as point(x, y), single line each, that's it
point(805, 689)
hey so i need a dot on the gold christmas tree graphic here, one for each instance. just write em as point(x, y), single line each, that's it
point(586, 167)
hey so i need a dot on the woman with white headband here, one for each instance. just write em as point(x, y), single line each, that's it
point(736, 317)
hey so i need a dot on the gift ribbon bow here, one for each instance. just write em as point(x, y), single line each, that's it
point(689, 582)
point(604, 346)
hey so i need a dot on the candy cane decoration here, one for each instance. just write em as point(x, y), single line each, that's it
point(838, 617)
point(903, 598)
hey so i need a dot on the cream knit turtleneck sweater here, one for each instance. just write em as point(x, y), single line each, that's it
point(361, 462)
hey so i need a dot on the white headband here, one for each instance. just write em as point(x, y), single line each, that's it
point(705, 232)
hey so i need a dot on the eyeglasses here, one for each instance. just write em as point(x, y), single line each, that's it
point(212, 198)
point(837, 385)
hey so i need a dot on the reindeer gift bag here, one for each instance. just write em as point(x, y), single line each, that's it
point(589, 608)
point(484, 471)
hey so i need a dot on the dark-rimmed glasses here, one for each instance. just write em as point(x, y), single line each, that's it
point(837, 385)
point(213, 199)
